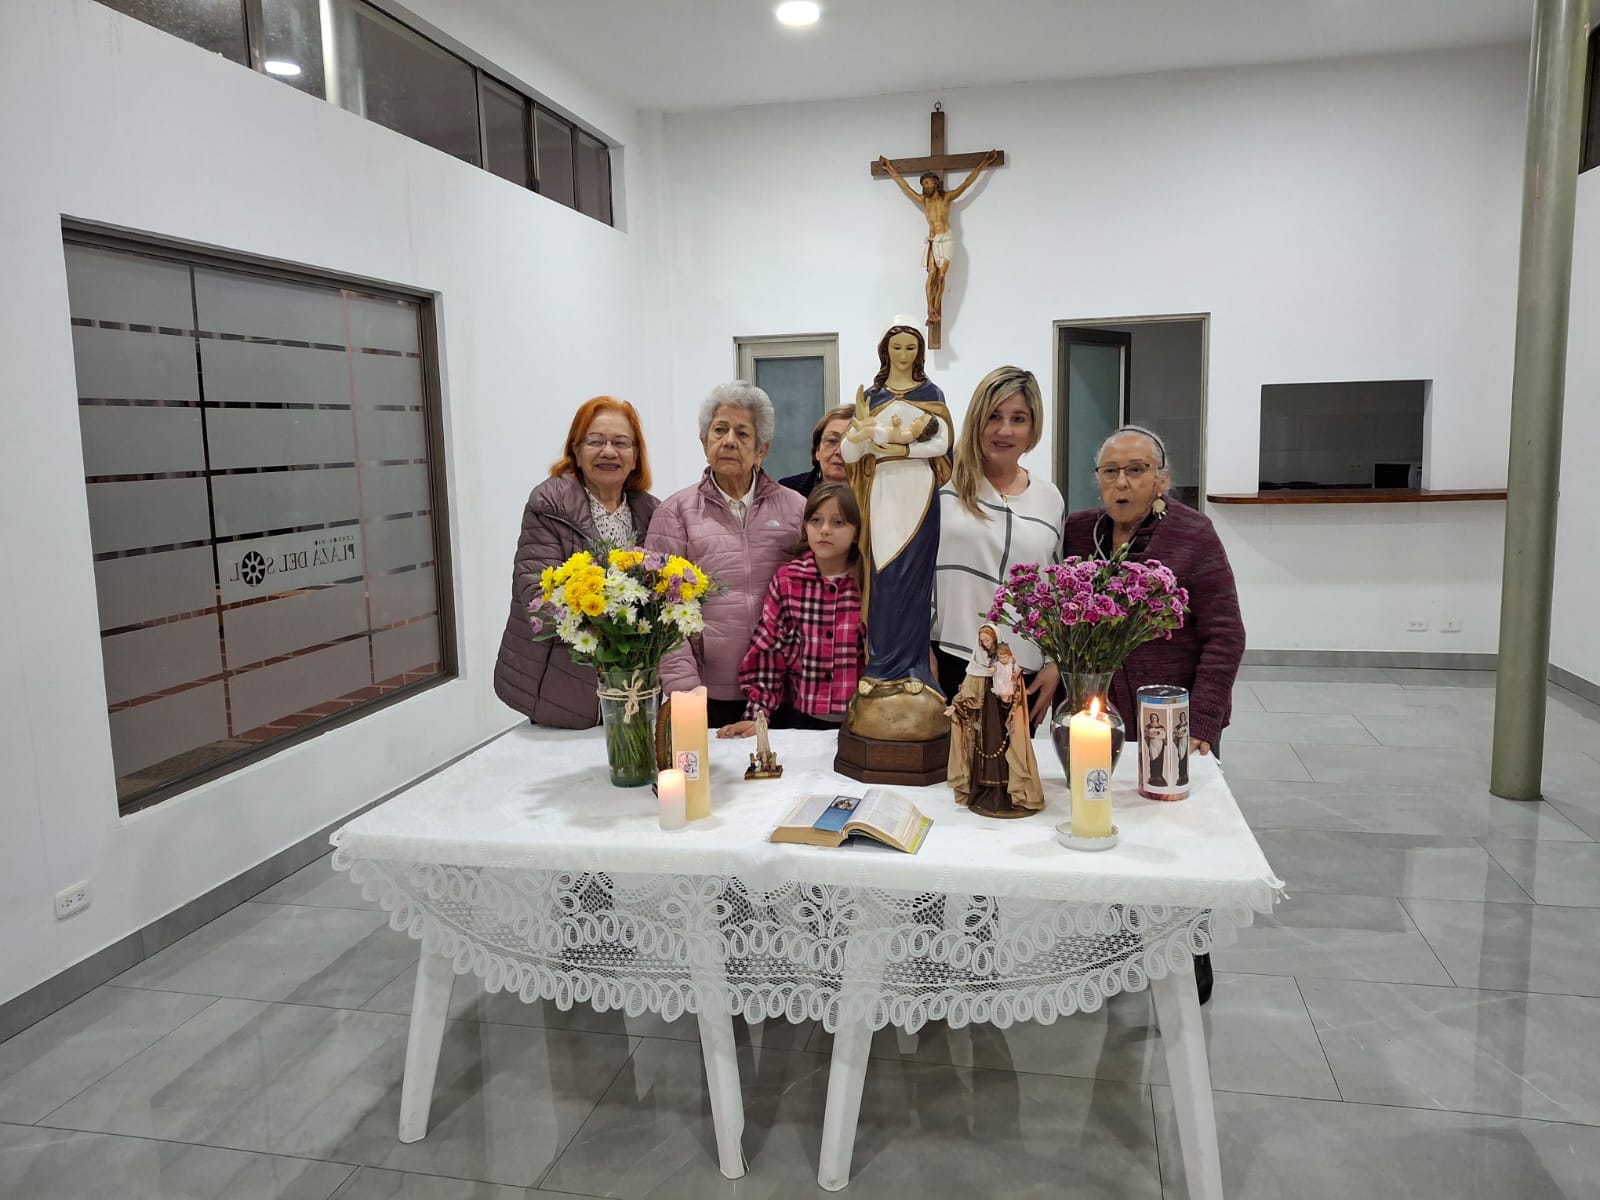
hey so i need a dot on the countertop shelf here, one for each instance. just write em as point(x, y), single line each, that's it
point(1355, 496)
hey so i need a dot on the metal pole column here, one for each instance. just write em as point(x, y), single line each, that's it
point(1550, 174)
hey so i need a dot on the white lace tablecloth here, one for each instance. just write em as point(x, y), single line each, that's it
point(523, 865)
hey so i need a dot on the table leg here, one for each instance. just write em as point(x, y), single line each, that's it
point(847, 1072)
point(722, 1082)
point(1184, 1037)
point(430, 1004)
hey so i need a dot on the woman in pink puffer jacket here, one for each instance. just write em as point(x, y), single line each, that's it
point(738, 524)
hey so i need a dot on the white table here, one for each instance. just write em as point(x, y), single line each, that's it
point(522, 865)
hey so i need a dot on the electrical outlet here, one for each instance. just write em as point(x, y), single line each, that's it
point(1450, 625)
point(1417, 625)
point(73, 900)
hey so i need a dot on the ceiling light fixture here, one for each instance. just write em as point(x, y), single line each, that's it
point(798, 12)
point(281, 66)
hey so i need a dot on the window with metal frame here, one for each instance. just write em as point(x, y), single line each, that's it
point(266, 505)
point(354, 54)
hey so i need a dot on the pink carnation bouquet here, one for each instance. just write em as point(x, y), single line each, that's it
point(1089, 614)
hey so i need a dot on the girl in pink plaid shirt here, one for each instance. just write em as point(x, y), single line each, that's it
point(805, 655)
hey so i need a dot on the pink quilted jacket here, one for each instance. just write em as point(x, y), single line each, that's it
point(698, 524)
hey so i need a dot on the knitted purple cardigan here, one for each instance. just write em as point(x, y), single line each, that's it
point(1204, 655)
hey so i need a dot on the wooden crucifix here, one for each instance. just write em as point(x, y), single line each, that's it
point(935, 203)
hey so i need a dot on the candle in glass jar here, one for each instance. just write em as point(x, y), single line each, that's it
point(1089, 750)
point(691, 748)
point(669, 786)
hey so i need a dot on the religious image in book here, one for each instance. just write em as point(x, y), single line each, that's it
point(884, 816)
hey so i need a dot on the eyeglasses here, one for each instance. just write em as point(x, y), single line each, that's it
point(832, 442)
point(620, 444)
point(1134, 472)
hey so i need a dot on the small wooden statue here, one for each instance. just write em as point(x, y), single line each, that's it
point(992, 767)
point(764, 762)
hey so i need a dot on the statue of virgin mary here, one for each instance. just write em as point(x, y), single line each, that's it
point(898, 450)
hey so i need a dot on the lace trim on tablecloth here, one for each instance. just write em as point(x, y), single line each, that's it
point(673, 944)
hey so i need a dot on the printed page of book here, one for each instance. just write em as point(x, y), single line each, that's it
point(890, 812)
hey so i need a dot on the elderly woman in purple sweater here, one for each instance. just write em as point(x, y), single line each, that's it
point(1204, 655)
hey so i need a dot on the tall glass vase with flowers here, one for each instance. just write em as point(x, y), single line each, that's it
point(1088, 615)
point(622, 610)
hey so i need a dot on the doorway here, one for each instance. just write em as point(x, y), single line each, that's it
point(1148, 371)
point(801, 376)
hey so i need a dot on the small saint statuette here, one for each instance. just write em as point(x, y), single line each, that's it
point(763, 763)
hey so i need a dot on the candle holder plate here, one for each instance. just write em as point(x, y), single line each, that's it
point(1065, 837)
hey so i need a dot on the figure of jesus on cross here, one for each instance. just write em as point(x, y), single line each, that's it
point(935, 203)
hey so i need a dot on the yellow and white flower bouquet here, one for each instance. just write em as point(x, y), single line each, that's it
point(621, 611)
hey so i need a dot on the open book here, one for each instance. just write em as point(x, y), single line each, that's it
point(829, 820)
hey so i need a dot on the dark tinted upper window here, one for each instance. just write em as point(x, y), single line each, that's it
point(215, 25)
point(505, 133)
point(594, 178)
point(416, 88)
point(292, 44)
point(351, 54)
point(553, 135)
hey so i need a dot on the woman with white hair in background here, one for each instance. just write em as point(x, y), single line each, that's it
point(739, 525)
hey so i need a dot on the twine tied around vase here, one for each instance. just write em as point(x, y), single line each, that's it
point(634, 693)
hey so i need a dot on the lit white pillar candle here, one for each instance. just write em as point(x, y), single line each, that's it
point(669, 787)
point(1089, 749)
point(691, 749)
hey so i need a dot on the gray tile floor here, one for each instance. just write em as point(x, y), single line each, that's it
point(1418, 1020)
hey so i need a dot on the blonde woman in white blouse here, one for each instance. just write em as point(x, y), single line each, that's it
point(994, 513)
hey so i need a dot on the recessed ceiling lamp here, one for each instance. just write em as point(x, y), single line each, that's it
point(281, 66)
point(798, 12)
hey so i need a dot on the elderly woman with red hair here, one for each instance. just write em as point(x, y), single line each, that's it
point(597, 490)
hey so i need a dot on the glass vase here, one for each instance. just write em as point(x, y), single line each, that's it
point(1081, 688)
point(629, 697)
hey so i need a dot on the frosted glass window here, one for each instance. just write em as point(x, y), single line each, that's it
point(143, 589)
point(107, 285)
point(268, 310)
point(385, 381)
point(261, 507)
point(797, 388)
point(129, 364)
point(246, 373)
point(378, 325)
point(285, 437)
point(125, 439)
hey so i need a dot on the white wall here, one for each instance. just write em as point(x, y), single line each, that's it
point(1339, 220)
point(111, 121)
point(1575, 630)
